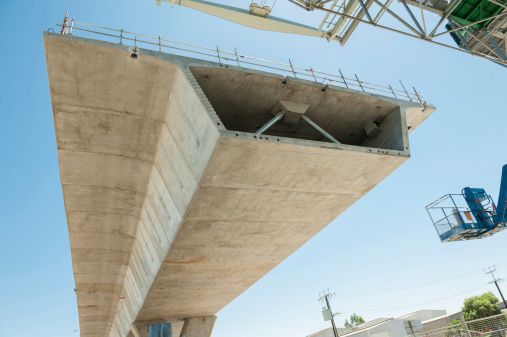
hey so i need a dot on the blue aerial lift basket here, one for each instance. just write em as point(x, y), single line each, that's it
point(471, 214)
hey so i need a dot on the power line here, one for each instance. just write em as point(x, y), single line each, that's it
point(325, 298)
point(416, 305)
point(496, 282)
point(392, 289)
point(410, 286)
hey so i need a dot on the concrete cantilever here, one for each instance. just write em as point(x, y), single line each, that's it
point(174, 205)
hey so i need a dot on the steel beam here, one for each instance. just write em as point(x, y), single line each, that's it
point(269, 124)
point(418, 36)
point(446, 15)
point(382, 11)
point(470, 24)
point(413, 17)
point(498, 3)
point(327, 16)
point(425, 6)
point(484, 38)
point(467, 47)
point(422, 16)
point(346, 35)
point(499, 51)
point(365, 10)
point(485, 46)
point(319, 129)
point(397, 18)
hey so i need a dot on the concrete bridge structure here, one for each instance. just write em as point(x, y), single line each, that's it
point(175, 206)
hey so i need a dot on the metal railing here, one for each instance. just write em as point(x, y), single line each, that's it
point(452, 211)
point(493, 326)
point(121, 36)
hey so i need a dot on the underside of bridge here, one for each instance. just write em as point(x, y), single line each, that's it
point(175, 206)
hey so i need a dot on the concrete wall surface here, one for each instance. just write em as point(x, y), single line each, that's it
point(389, 327)
point(424, 315)
point(434, 324)
point(441, 322)
point(329, 332)
point(393, 327)
point(133, 142)
point(171, 216)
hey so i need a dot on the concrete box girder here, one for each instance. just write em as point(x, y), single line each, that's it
point(245, 101)
point(171, 215)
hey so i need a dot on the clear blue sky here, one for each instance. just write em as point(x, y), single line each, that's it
point(371, 256)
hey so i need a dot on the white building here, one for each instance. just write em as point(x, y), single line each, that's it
point(383, 327)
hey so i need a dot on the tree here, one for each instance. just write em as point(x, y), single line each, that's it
point(354, 321)
point(481, 306)
point(454, 329)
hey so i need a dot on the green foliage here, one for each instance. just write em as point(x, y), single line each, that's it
point(355, 320)
point(481, 306)
point(454, 329)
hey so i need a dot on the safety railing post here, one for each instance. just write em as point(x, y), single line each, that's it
point(237, 58)
point(64, 25)
point(408, 95)
point(218, 53)
point(292, 69)
point(68, 26)
point(393, 92)
point(418, 97)
point(359, 83)
point(343, 78)
point(315, 78)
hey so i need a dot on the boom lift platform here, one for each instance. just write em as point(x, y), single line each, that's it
point(471, 214)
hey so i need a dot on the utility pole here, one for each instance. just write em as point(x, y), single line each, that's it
point(496, 283)
point(325, 298)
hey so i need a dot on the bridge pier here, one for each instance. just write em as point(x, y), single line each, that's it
point(198, 326)
point(193, 327)
point(139, 329)
point(161, 330)
point(145, 329)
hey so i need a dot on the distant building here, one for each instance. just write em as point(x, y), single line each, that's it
point(329, 332)
point(444, 320)
point(383, 327)
point(395, 327)
point(502, 307)
point(441, 322)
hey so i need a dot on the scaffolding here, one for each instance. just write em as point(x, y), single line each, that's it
point(477, 27)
